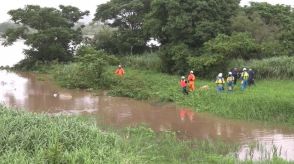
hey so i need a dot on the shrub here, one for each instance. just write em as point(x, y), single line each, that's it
point(92, 54)
point(174, 58)
point(145, 61)
point(274, 68)
point(207, 65)
point(85, 73)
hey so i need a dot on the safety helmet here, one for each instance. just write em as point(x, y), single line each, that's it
point(250, 69)
point(220, 75)
point(119, 65)
point(183, 77)
point(191, 71)
point(230, 73)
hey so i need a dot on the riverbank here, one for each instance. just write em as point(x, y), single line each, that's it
point(34, 138)
point(39, 138)
point(269, 100)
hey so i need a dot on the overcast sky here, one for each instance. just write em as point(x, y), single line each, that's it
point(87, 5)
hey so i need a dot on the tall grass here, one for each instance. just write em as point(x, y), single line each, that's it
point(37, 138)
point(269, 100)
point(270, 68)
point(148, 61)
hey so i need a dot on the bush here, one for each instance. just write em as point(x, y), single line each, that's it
point(92, 54)
point(238, 45)
point(85, 73)
point(174, 58)
point(145, 61)
point(207, 65)
point(273, 68)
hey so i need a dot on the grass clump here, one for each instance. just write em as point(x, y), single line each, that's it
point(148, 61)
point(269, 68)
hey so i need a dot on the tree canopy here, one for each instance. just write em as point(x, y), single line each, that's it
point(48, 32)
point(128, 17)
point(192, 22)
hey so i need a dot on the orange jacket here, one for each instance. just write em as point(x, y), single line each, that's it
point(191, 77)
point(120, 71)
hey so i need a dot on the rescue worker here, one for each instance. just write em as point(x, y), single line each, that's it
point(120, 71)
point(183, 84)
point(230, 82)
point(235, 75)
point(251, 77)
point(244, 78)
point(191, 79)
point(220, 82)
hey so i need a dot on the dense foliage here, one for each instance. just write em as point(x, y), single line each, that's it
point(198, 34)
point(52, 36)
point(128, 17)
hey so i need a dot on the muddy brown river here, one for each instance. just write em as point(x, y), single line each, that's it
point(37, 94)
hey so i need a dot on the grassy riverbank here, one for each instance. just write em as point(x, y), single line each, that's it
point(32, 138)
point(269, 100)
point(38, 138)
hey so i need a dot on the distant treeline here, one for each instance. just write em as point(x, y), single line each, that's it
point(202, 35)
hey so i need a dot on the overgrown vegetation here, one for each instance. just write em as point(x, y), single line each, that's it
point(148, 61)
point(269, 68)
point(267, 101)
point(198, 35)
point(37, 138)
point(202, 35)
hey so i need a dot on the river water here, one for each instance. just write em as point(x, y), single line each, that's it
point(38, 94)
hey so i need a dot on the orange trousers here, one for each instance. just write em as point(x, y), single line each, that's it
point(191, 86)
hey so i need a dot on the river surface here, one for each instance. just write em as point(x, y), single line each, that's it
point(37, 94)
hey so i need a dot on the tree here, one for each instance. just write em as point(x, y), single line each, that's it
point(182, 26)
point(51, 35)
point(106, 40)
point(127, 16)
point(192, 22)
point(238, 45)
point(271, 26)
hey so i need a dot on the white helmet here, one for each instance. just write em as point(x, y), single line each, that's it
point(230, 73)
point(220, 75)
point(119, 65)
point(183, 77)
point(244, 69)
point(191, 71)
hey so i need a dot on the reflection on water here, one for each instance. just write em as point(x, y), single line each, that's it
point(25, 91)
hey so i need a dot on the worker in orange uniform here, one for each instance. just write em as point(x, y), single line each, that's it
point(191, 79)
point(120, 71)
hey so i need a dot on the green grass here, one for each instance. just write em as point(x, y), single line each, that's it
point(39, 138)
point(270, 68)
point(269, 100)
point(147, 61)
